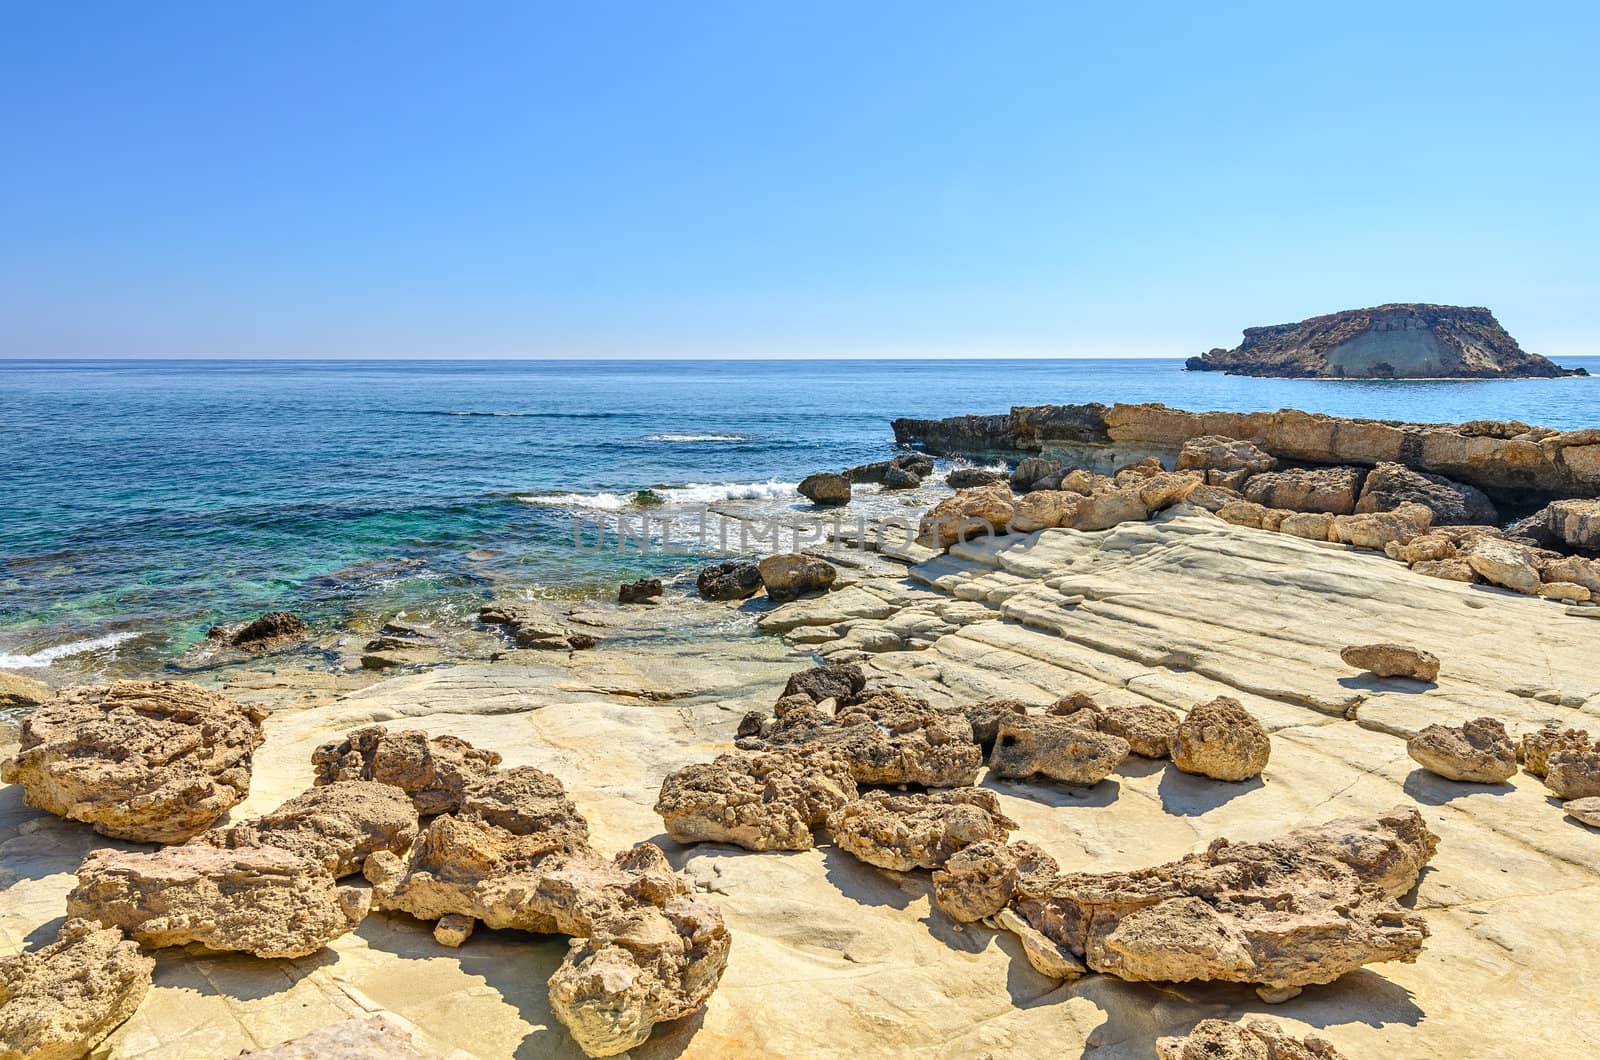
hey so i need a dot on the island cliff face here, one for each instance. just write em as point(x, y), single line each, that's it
point(1385, 342)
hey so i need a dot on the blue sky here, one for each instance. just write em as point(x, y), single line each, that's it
point(819, 179)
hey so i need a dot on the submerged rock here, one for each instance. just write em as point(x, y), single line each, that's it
point(1393, 660)
point(917, 831)
point(1055, 748)
point(1252, 1040)
point(336, 826)
point(260, 900)
point(60, 1001)
point(535, 626)
point(150, 761)
point(273, 629)
point(1221, 740)
point(639, 592)
point(757, 801)
point(1477, 752)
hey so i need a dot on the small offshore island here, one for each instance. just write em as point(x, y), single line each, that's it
point(1174, 717)
point(1395, 341)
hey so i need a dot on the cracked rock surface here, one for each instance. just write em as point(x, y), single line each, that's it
point(58, 1002)
point(917, 831)
point(759, 801)
point(336, 826)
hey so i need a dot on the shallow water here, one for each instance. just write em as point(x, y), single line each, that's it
point(144, 501)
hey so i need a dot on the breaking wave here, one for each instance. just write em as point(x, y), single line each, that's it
point(46, 656)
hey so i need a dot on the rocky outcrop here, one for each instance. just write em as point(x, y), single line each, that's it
point(271, 630)
point(826, 487)
point(917, 831)
point(1333, 490)
point(1573, 774)
point(434, 771)
point(839, 682)
point(732, 580)
point(1535, 748)
point(1584, 811)
point(1055, 748)
point(917, 465)
point(17, 691)
point(791, 575)
point(757, 801)
point(151, 761)
point(259, 900)
point(1148, 728)
point(1251, 1040)
point(60, 1001)
point(642, 591)
point(1393, 660)
point(1299, 910)
point(336, 826)
point(535, 626)
point(1221, 740)
point(969, 514)
point(374, 1038)
point(961, 478)
point(1396, 341)
point(1389, 485)
point(1476, 752)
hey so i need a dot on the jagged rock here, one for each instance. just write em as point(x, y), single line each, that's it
point(1253, 1040)
point(917, 831)
point(1055, 748)
point(18, 691)
point(968, 514)
point(978, 881)
point(918, 464)
point(58, 1002)
point(1305, 908)
point(1584, 811)
point(839, 682)
point(1377, 530)
point(1221, 740)
point(899, 478)
point(435, 771)
point(1147, 727)
point(374, 1038)
point(985, 718)
point(1393, 660)
point(260, 900)
point(639, 592)
point(1166, 488)
point(1573, 774)
point(1332, 490)
point(644, 967)
point(1455, 570)
point(1031, 471)
point(523, 800)
point(151, 761)
point(336, 826)
point(1573, 523)
point(535, 626)
point(826, 487)
point(1477, 752)
point(1429, 547)
point(887, 738)
point(1209, 452)
point(272, 629)
point(961, 478)
point(1389, 485)
point(732, 580)
point(1535, 748)
point(1504, 563)
point(791, 575)
point(757, 801)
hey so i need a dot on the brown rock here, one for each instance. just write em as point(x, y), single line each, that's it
point(1504, 563)
point(1222, 740)
point(1393, 660)
point(1042, 509)
point(1478, 752)
point(374, 1038)
point(791, 575)
point(826, 487)
point(917, 831)
point(1429, 547)
point(1573, 774)
point(1575, 522)
point(826, 682)
point(1255, 516)
point(151, 761)
point(976, 881)
point(1030, 471)
point(1535, 748)
point(1573, 569)
point(968, 514)
point(639, 592)
point(985, 718)
point(732, 580)
point(757, 801)
point(1455, 570)
point(1332, 490)
point(1230, 454)
point(1567, 592)
point(1313, 526)
point(60, 1001)
point(1377, 530)
point(1147, 727)
point(18, 691)
point(273, 629)
point(535, 626)
point(1213, 498)
point(435, 771)
point(1584, 811)
point(1253, 1040)
point(1389, 485)
point(1167, 488)
point(260, 900)
point(1107, 508)
point(335, 826)
point(1055, 748)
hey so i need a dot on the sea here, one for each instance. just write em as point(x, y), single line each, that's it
point(142, 502)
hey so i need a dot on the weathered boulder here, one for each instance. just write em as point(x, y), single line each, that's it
point(1573, 774)
point(639, 592)
point(1313, 526)
point(1252, 1040)
point(260, 900)
point(19, 691)
point(1455, 570)
point(968, 514)
point(1389, 485)
point(1377, 530)
point(757, 801)
point(1573, 523)
point(1253, 515)
point(1535, 748)
point(1208, 452)
point(1055, 748)
point(976, 881)
point(1432, 546)
point(1213, 498)
point(826, 487)
point(1166, 488)
point(1107, 508)
point(887, 738)
point(917, 831)
point(899, 478)
point(1504, 563)
point(839, 682)
point(1305, 908)
point(985, 718)
point(1333, 490)
point(1042, 509)
point(1148, 728)
point(790, 575)
point(374, 1038)
point(730, 580)
point(151, 761)
point(961, 478)
point(1476, 752)
point(918, 464)
point(1393, 660)
point(434, 771)
point(1567, 592)
point(1221, 740)
point(1571, 570)
point(533, 625)
point(58, 1002)
point(336, 826)
point(271, 630)
point(1031, 471)
point(1584, 811)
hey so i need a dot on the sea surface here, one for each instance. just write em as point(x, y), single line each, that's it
point(143, 501)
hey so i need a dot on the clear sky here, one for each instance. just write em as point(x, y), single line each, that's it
point(811, 179)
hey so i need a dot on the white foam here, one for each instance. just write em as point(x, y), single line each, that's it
point(609, 502)
point(697, 437)
point(46, 656)
point(691, 494)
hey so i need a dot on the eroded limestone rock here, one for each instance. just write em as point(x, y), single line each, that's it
point(1208, 451)
point(1584, 811)
point(1504, 563)
point(1477, 752)
point(260, 900)
point(374, 1038)
point(1378, 530)
point(1147, 727)
point(1573, 774)
point(917, 831)
point(58, 1002)
point(969, 514)
point(1055, 748)
point(1332, 490)
point(790, 575)
point(1221, 740)
point(825, 682)
point(1535, 748)
point(1393, 660)
point(336, 826)
point(151, 761)
point(434, 771)
point(1251, 1040)
point(985, 718)
point(759, 801)
point(533, 625)
point(979, 880)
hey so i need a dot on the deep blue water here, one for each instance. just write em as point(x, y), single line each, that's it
point(155, 498)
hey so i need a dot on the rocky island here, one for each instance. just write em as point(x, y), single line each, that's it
point(1395, 341)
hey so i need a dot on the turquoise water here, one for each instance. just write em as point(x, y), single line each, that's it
point(140, 502)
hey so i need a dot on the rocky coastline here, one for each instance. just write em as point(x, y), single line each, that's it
point(1178, 715)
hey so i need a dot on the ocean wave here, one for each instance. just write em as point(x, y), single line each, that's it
point(46, 656)
point(692, 493)
point(519, 415)
point(697, 438)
